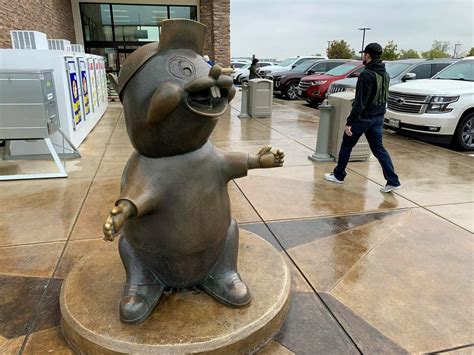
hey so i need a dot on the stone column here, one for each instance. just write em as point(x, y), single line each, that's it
point(215, 14)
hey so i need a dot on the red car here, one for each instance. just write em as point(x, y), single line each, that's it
point(313, 88)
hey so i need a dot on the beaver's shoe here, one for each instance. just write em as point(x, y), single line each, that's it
point(229, 289)
point(138, 301)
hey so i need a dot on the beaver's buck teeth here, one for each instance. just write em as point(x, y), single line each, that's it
point(215, 92)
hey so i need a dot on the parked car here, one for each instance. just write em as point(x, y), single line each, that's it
point(313, 88)
point(241, 59)
point(440, 109)
point(239, 71)
point(286, 65)
point(238, 65)
point(242, 74)
point(399, 71)
point(286, 83)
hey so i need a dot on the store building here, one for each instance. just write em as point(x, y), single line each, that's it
point(115, 28)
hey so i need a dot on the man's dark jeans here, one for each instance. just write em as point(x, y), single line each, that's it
point(372, 128)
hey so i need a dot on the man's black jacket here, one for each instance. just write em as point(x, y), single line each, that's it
point(253, 72)
point(371, 92)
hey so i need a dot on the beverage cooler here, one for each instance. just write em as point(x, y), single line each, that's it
point(81, 87)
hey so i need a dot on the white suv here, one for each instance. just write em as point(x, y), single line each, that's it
point(440, 109)
point(241, 75)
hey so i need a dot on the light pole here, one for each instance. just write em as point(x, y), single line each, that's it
point(363, 38)
point(455, 55)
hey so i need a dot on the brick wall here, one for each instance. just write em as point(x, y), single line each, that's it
point(215, 14)
point(53, 17)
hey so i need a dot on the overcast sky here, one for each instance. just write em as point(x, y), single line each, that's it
point(284, 28)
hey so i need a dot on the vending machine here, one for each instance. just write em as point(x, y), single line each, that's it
point(98, 78)
point(77, 88)
point(95, 99)
point(74, 91)
point(85, 86)
point(103, 76)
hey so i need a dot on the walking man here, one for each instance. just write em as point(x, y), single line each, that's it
point(253, 69)
point(366, 118)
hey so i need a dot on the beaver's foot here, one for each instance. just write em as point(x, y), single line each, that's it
point(224, 282)
point(229, 290)
point(143, 288)
point(138, 301)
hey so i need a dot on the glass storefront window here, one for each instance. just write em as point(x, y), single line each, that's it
point(115, 30)
point(189, 12)
point(96, 22)
point(138, 23)
point(110, 55)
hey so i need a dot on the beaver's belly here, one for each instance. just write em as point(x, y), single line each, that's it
point(185, 270)
point(184, 237)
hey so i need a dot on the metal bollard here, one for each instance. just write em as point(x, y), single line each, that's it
point(322, 143)
point(244, 107)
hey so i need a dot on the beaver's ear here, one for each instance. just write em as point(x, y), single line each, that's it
point(164, 100)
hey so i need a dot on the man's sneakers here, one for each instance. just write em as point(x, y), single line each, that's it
point(386, 189)
point(332, 178)
point(389, 188)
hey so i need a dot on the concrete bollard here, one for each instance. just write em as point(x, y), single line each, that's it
point(322, 143)
point(244, 107)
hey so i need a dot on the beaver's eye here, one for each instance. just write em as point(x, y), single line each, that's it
point(181, 67)
point(187, 71)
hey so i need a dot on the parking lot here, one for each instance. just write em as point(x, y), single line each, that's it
point(428, 98)
point(372, 272)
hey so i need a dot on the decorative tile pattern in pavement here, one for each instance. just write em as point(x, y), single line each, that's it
point(416, 286)
point(368, 339)
point(19, 297)
point(372, 273)
point(311, 329)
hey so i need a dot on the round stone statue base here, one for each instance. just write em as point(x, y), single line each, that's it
point(187, 321)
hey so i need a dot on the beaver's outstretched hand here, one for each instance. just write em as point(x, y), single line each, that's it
point(267, 158)
point(116, 218)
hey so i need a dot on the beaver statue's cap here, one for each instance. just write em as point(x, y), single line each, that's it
point(175, 34)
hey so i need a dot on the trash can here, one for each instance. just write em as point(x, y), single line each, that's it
point(342, 105)
point(260, 97)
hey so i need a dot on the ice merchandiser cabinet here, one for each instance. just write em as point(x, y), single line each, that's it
point(85, 83)
point(80, 97)
point(75, 92)
point(101, 79)
point(94, 97)
point(28, 105)
point(28, 110)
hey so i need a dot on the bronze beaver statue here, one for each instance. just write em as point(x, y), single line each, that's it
point(173, 214)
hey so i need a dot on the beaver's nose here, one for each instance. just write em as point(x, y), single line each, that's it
point(225, 82)
point(202, 83)
point(215, 71)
